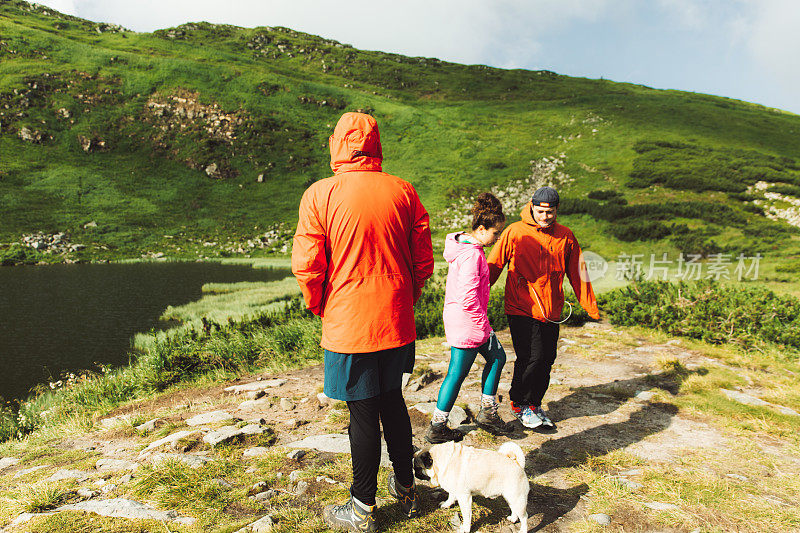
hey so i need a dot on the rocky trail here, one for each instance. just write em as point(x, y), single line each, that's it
point(609, 395)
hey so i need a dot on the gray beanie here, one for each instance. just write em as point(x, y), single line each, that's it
point(545, 197)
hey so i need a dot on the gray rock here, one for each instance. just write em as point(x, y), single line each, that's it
point(334, 443)
point(262, 525)
point(737, 477)
point(115, 465)
point(743, 398)
point(87, 493)
point(27, 471)
point(632, 485)
point(228, 433)
point(252, 405)
point(600, 518)
point(326, 479)
point(221, 483)
point(125, 479)
point(192, 461)
point(148, 426)
point(633, 472)
point(214, 417)
point(323, 399)
point(23, 518)
point(255, 394)
point(660, 506)
point(121, 508)
point(171, 439)
point(115, 421)
point(265, 496)
point(645, 395)
point(255, 385)
point(456, 418)
point(287, 404)
point(785, 410)
point(296, 454)
point(62, 474)
point(109, 487)
point(301, 488)
point(257, 451)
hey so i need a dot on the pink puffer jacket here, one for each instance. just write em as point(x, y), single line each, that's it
point(466, 294)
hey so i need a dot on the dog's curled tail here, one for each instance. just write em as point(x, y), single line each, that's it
point(514, 452)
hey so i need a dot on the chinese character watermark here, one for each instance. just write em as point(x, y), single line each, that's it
point(684, 267)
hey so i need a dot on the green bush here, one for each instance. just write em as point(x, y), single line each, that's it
point(746, 316)
point(607, 195)
point(17, 254)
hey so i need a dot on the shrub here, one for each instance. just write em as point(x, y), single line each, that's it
point(607, 195)
point(705, 310)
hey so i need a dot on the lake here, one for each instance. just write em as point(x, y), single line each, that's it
point(69, 317)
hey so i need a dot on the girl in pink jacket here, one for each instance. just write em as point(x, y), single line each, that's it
point(466, 322)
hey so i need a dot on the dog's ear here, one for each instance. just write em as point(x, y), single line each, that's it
point(426, 459)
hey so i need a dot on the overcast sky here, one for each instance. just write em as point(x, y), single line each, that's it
point(744, 49)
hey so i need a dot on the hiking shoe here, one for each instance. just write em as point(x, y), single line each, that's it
point(409, 501)
point(439, 433)
point(526, 416)
point(539, 412)
point(350, 516)
point(489, 420)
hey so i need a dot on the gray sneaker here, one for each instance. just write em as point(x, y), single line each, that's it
point(489, 420)
point(350, 516)
point(541, 415)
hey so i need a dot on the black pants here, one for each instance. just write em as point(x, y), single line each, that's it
point(366, 416)
point(535, 345)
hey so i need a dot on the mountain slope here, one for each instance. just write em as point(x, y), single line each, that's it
point(200, 140)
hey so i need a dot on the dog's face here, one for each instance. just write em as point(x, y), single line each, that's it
point(423, 465)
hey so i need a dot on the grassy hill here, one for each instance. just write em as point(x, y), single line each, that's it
point(200, 140)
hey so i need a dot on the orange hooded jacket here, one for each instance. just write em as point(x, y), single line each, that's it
point(362, 250)
point(537, 260)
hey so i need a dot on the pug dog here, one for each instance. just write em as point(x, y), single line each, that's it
point(463, 471)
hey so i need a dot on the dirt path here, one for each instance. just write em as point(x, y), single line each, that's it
point(609, 393)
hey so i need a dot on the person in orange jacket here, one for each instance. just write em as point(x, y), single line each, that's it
point(362, 252)
point(539, 252)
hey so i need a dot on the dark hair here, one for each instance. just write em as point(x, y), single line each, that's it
point(487, 211)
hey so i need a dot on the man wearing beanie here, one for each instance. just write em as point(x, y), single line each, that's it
point(539, 252)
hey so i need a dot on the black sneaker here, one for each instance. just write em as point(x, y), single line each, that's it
point(489, 420)
point(351, 516)
point(439, 433)
point(409, 501)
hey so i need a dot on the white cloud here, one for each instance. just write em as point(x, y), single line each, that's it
point(503, 32)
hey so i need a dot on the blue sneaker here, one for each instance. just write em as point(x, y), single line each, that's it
point(541, 415)
point(526, 416)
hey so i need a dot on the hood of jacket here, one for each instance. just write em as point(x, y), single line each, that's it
point(527, 217)
point(453, 248)
point(355, 144)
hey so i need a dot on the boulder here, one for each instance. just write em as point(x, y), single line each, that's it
point(213, 417)
point(255, 386)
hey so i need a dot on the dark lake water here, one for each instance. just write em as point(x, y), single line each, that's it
point(69, 317)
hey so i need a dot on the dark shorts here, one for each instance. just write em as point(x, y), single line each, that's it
point(358, 376)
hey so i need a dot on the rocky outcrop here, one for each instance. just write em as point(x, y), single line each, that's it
point(50, 243)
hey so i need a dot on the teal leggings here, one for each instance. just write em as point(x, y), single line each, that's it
point(461, 360)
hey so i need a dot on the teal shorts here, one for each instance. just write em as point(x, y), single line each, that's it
point(358, 376)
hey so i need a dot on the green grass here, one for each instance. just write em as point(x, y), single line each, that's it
point(450, 129)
